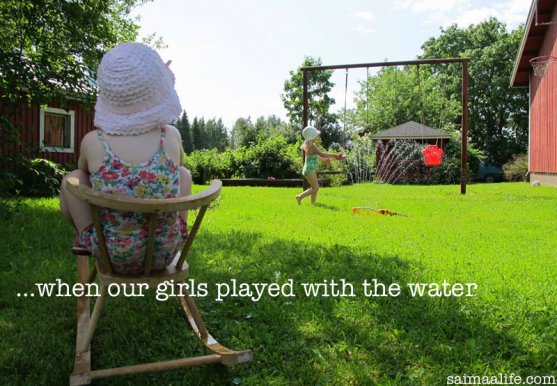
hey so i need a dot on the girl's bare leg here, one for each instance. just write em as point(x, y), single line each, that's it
point(312, 178)
point(75, 210)
point(312, 190)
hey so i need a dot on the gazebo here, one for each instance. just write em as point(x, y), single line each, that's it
point(414, 131)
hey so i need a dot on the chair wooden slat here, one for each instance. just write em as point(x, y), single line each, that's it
point(191, 235)
point(150, 244)
point(95, 212)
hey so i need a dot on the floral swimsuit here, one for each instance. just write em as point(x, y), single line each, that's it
point(310, 164)
point(126, 233)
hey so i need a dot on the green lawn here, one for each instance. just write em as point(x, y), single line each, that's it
point(502, 237)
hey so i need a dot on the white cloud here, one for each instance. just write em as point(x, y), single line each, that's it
point(475, 16)
point(363, 29)
point(419, 6)
point(514, 12)
point(366, 15)
point(466, 12)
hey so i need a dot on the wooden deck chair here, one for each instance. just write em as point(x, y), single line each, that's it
point(177, 271)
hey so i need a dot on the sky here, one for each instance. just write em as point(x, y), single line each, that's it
point(232, 57)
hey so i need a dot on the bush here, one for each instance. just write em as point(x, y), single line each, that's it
point(517, 168)
point(270, 157)
point(449, 170)
point(41, 178)
point(9, 194)
point(205, 165)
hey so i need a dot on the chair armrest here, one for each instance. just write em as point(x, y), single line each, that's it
point(114, 201)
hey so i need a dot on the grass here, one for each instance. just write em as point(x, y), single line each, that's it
point(500, 236)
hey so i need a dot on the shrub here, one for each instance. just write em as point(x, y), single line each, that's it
point(9, 194)
point(270, 157)
point(205, 165)
point(517, 168)
point(449, 170)
point(41, 178)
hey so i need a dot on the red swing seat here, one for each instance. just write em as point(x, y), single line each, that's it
point(433, 155)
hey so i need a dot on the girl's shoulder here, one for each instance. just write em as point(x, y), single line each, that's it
point(172, 132)
point(91, 139)
point(312, 149)
point(93, 134)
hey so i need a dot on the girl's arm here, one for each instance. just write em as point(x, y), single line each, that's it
point(82, 163)
point(323, 156)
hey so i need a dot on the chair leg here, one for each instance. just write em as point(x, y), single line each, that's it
point(228, 357)
point(94, 319)
point(82, 365)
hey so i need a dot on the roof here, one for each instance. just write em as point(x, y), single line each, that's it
point(410, 130)
point(532, 40)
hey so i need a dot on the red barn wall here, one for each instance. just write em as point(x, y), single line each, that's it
point(26, 119)
point(543, 114)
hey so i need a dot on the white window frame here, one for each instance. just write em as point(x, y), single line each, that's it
point(54, 149)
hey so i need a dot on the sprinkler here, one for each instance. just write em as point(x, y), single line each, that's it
point(366, 210)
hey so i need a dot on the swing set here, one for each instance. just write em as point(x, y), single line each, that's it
point(432, 153)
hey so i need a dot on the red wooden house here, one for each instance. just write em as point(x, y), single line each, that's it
point(51, 132)
point(540, 39)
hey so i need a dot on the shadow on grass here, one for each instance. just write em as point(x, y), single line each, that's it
point(327, 206)
point(339, 340)
point(296, 340)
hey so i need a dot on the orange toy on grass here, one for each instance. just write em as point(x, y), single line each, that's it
point(366, 210)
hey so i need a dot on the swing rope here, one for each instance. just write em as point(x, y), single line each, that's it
point(443, 96)
point(367, 100)
point(432, 153)
point(395, 96)
point(345, 96)
point(421, 95)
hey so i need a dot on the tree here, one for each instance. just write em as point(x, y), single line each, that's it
point(498, 114)
point(243, 133)
point(215, 135)
point(184, 127)
point(394, 96)
point(51, 49)
point(319, 85)
point(197, 133)
point(276, 126)
point(331, 131)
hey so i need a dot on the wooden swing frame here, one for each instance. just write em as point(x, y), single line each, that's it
point(464, 117)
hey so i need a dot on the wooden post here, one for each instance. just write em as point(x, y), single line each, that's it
point(464, 147)
point(305, 117)
point(305, 98)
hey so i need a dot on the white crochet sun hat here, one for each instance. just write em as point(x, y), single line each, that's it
point(310, 133)
point(136, 91)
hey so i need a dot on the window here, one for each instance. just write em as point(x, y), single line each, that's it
point(57, 130)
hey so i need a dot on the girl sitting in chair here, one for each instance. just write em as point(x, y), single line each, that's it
point(133, 153)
